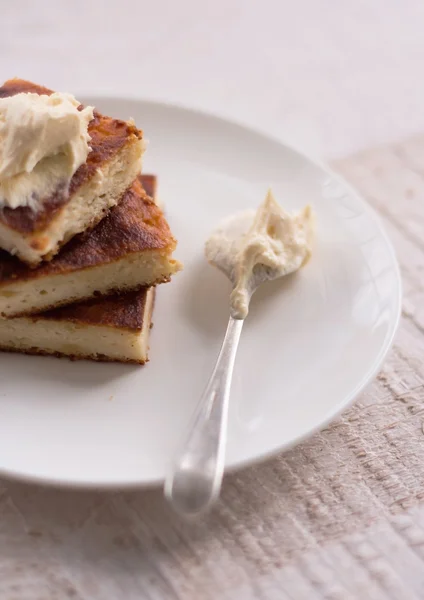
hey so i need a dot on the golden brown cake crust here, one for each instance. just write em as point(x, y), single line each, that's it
point(137, 224)
point(108, 136)
point(149, 183)
point(124, 311)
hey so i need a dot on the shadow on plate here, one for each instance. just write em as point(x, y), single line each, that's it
point(266, 294)
point(43, 370)
point(206, 302)
point(206, 299)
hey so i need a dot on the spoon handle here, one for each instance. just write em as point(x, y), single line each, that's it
point(195, 480)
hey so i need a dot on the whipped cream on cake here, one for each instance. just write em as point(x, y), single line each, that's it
point(43, 141)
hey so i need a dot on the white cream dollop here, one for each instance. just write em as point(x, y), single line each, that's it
point(271, 237)
point(43, 141)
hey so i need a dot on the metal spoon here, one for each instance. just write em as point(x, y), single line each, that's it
point(196, 477)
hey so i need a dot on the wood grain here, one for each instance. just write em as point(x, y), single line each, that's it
point(340, 517)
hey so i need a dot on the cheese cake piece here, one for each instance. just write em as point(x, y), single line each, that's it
point(107, 329)
point(130, 248)
point(97, 185)
point(115, 328)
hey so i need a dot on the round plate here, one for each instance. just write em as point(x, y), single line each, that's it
point(310, 345)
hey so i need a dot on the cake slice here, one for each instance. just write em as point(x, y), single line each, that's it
point(130, 248)
point(97, 185)
point(115, 328)
point(107, 329)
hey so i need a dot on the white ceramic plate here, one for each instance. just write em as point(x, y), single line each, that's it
point(310, 345)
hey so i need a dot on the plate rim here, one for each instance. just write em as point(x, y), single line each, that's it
point(342, 405)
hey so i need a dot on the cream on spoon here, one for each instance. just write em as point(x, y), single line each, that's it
point(250, 248)
point(253, 247)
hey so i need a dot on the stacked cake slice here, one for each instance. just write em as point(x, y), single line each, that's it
point(111, 166)
point(99, 249)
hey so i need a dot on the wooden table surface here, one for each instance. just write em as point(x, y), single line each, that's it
point(342, 515)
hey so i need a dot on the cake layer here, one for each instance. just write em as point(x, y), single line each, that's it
point(130, 248)
point(106, 329)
